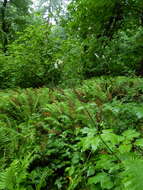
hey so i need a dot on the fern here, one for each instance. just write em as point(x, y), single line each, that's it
point(68, 147)
point(15, 175)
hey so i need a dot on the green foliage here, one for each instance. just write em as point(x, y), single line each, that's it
point(107, 30)
point(31, 59)
point(15, 175)
point(86, 138)
point(81, 137)
point(133, 174)
point(72, 66)
point(6, 71)
point(42, 55)
point(96, 41)
point(14, 17)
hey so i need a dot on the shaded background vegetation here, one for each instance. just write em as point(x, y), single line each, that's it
point(54, 44)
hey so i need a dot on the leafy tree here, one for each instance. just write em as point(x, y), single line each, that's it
point(33, 57)
point(99, 25)
point(13, 18)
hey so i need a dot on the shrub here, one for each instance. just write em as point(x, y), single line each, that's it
point(33, 59)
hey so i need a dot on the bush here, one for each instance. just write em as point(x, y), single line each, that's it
point(33, 58)
point(7, 72)
point(42, 56)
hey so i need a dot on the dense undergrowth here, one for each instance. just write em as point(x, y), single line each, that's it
point(85, 138)
point(60, 127)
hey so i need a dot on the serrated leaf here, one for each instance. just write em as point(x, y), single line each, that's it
point(125, 148)
point(109, 136)
point(131, 134)
point(90, 142)
point(103, 179)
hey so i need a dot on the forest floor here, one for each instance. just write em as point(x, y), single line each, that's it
point(61, 138)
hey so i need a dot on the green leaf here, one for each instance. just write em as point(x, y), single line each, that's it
point(90, 142)
point(131, 134)
point(125, 148)
point(133, 175)
point(106, 162)
point(109, 136)
point(139, 112)
point(103, 179)
point(139, 142)
point(91, 171)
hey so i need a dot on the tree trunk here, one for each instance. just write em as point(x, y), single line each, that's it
point(4, 26)
point(115, 21)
